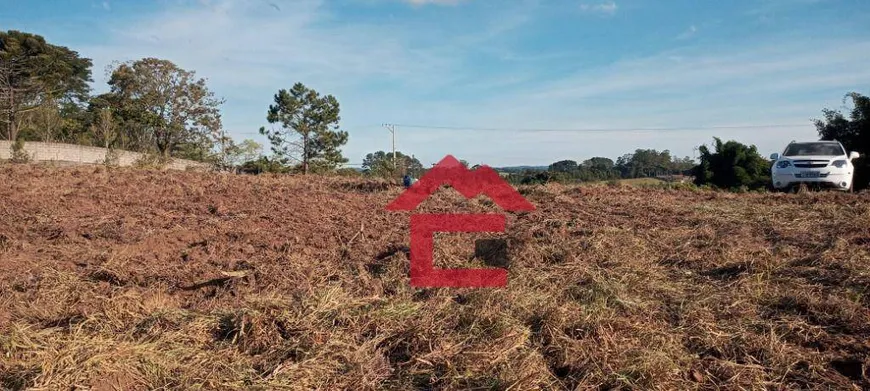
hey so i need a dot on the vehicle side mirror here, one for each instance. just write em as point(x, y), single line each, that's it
point(774, 156)
point(853, 155)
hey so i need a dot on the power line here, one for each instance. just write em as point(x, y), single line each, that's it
point(392, 128)
point(353, 128)
point(600, 129)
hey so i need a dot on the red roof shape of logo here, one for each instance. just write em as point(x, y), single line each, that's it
point(483, 180)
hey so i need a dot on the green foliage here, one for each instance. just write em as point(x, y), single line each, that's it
point(41, 124)
point(132, 134)
point(233, 155)
point(566, 166)
point(650, 162)
point(104, 130)
point(164, 107)
point(852, 132)
point(33, 72)
point(152, 160)
point(601, 164)
point(642, 163)
point(542, 177)
point(597, 169)
point(318, 167)
point(380, 164)
point(309, 132)
point(74, 128)
point(112, 158)
point(732, 165)
point(19, 154)
point(195, 150)
point(348, 172)
point(264, 165)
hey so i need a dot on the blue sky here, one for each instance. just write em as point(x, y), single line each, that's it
point(502, 65)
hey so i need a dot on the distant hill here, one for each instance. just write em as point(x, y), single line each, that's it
point(521, 168)
point(499, 169)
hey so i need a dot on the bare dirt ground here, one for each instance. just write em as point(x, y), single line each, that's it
point(134, 280)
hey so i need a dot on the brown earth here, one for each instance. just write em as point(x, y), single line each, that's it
point(132, 280)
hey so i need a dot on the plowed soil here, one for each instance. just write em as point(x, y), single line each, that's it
point(135, 280)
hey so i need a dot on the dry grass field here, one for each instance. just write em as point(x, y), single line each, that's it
point(140, 280)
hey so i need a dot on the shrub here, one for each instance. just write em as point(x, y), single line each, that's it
point(732, 165)
point(19, 155)
point(263, 165)
point(113, 158)
point(351, 172)
point(151, 160)
point(544, 177)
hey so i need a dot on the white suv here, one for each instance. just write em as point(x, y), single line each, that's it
point(815, 163)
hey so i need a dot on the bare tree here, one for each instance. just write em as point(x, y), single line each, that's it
point(46, 120)
point(19, 94)
point(104, 129)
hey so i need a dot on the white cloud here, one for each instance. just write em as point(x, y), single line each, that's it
point(770, 83)
point(604, 8)
point(799, 63)
point(248, 50)
point(413, 74)
point(690, 32)
point(239, 44)
point(436, 2)
point(106, 6)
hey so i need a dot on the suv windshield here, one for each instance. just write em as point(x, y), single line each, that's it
point(814, 149)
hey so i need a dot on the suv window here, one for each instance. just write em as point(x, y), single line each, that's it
point(810, 149)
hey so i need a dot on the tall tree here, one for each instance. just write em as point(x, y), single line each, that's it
point(645, 163)
point(309, 132)
point(104, 129)
point(597, 169)
point(34, 74)
point(598, 164)
point(732, 165)
point(174, 109)
point(682, 166)
point(852, 132)
point(74, 127)
point(381, 164)
point(131, 134)
point(46, 121)
point(567, 166)
point(237, 154)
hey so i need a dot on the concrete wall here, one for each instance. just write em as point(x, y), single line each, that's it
point(80, 154)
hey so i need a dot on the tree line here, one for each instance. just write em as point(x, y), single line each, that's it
point(641, 163)
point(730, 164)
point(156, 107)
point(724, 165)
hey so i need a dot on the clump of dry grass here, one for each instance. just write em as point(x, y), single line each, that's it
point(148, 280)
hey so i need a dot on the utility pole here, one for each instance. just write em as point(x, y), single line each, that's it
point(392, 129)
point(223, 157)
